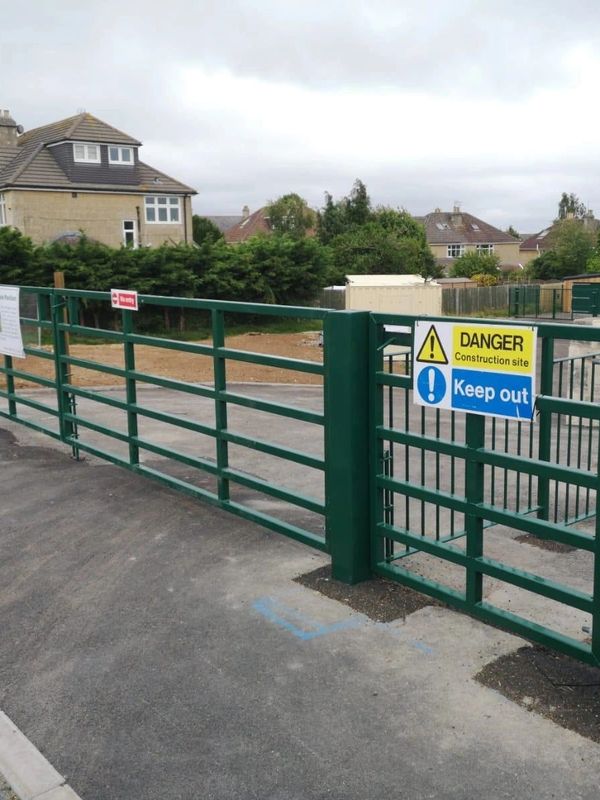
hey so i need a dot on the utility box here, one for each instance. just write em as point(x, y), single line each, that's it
point(396, 294)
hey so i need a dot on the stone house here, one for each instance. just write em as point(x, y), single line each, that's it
point(450, 234)
point(81, 174)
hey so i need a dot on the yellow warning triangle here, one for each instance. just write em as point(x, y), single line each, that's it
point(431, 350)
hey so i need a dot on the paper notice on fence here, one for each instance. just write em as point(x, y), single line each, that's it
point(11, 341)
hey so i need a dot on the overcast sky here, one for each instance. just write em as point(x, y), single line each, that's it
point(491, 103)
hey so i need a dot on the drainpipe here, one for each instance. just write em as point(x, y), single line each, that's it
point(185, 223)
point(139, 225)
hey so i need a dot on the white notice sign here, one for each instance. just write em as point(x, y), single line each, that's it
point(11, 342)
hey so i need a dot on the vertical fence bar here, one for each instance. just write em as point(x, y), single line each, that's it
point(130, 387)
point(61, 348)
point(10, 387)
point(474, 493)
point(220, 377)
point(346, 353)
point(596, 595)
point(545, 425)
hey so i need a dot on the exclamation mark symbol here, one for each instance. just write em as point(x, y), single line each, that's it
point(431, 379)
point(432, 347)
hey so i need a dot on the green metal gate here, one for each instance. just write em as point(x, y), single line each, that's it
point(434, 499)
point(452, 493)
point(586, 298)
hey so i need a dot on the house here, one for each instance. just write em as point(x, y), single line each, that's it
point(533, 246)
point(450, 234)
point(250, 225)
point(81, 174)
point(226, 221)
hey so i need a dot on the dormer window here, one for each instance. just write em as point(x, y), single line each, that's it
point(120, 155)
point(86, 153)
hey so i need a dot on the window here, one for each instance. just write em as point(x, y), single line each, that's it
point(120, 155)
point(487, 249)
point(442, 226)
point(474, 226)
point(456, 250)
point(129, 233)
point(3, 217)
point(162, 209)
point(86, 153)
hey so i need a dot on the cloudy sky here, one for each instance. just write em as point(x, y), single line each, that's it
point(492, 103)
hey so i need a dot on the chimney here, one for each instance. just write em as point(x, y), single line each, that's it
point(570, 215)
point(245, 212)
point(589, 223)
point(8, 130)
point(456, 215)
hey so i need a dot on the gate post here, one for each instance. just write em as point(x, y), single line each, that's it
point(346, 400)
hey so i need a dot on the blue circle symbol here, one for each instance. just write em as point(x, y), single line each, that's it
point(431, 385)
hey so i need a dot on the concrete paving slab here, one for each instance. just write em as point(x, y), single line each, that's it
point(157, 648)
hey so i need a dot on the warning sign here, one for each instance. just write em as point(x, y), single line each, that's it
point(432, 351)
point(480, 368)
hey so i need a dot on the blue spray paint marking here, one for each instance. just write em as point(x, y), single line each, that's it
point(306, 628)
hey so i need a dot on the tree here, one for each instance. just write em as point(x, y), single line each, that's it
point(374, 249)
point(571, 204)
point(291, 215)
point(203, 230)
point(512, 232)
point(340, 217)
point(475, 263)
point(572, 248)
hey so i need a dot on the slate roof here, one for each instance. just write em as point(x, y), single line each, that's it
point(31, 163)
point(447, 227)
point(225, 221)
point(544, 240)
point(256, 223)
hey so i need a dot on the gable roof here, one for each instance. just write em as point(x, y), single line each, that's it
point(544, 240)
point(225, 221)
point(31, 164)
point(82, 127)
point(458, 227)
point(255, 223)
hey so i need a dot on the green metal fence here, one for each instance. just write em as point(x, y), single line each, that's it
point(540, 302)
point(403, 491)
point(440, 478)
point(74, 414)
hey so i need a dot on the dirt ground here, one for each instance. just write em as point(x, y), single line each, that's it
point(189, 367)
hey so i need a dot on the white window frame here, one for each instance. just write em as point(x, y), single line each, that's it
point(153, 202)
point(485, 249)
point(120, 160)
point(133, 229)
point(3, 211)
point(86, 157)
point(455, 250)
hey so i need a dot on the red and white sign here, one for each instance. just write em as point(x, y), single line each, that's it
point(124, 298)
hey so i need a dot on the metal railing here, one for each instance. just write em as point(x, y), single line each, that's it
point(383, 486)
point(440, 478)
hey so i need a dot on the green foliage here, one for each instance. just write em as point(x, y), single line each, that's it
point(366, 241)
point(485, 279)
point(203, 230)
point(572, 248)
point(345, 214)
point(570, 204)
point(512, 232)
point(265, 269)
point(474, 263)
point(291, 215)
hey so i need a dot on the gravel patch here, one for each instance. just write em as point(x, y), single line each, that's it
point(378, 599)
point(553, 685)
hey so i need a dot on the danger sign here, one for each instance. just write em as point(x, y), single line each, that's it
point(124, 298)
point(479, 368)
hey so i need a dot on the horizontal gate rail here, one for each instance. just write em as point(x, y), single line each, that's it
point(74, 406)
point(432, 468)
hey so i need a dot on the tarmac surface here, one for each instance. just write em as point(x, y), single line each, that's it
point(156, 648)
